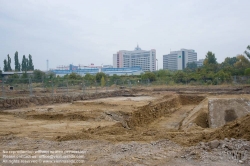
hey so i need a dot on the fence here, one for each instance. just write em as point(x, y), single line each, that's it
point(24, 87)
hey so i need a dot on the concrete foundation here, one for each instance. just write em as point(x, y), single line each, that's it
point(221, 111)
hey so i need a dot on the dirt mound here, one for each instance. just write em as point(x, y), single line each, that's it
point(149, 113)
point(236, 129)
point(190, 99)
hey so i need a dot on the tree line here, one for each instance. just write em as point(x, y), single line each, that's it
point(26, 65)
point(211, 73)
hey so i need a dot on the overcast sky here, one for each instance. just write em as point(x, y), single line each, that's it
point(85, 31)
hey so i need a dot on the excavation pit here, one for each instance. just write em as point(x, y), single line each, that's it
point(143, 117)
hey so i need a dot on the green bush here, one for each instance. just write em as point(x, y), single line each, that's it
point(247, 71)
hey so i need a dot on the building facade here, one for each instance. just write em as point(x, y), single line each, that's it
point(137, 58)
point(200, 62)
point(177, 60)
point(107, 71)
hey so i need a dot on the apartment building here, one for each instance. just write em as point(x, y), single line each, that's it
point(136, 58)
point(177, 60)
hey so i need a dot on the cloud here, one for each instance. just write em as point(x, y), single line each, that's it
point(84, 32)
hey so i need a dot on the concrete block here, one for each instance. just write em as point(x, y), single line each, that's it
point(221, 111)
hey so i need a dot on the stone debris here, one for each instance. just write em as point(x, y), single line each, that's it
point(214, 144)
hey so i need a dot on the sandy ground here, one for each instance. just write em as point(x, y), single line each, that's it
point(149, 128)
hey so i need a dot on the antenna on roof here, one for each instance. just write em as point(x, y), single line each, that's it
point(137, 48)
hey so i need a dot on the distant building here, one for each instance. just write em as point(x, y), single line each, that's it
point(72, 67)
point(6, 74)
point(82, 72)
point(200, 62)
point(177, 60)
point(107, 66)
point(122, 71)
point(137, 58)
point(107, 69)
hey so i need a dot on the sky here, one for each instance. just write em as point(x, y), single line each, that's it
point(84, 32)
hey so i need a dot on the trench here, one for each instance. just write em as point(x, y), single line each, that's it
point(149, 113)
point(134, 125)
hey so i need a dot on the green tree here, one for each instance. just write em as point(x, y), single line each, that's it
point(210, 58)
point(248, 53)
point(99, 76)
point(38, 75)
point(229, 61)
point(103, 81)
point(24, 77)
point(74, 76)
point(9, 63)
point(24, 63)
point(15, 76)
point(222, 76)
point(191, 66)
point(228, 65)
point(13, 79)
point(89, 79)
point(5, 67)
point(247, 71)
point(161, 73)
point(17, 64)
point(180, 77)
point(66, 76)
point(241, 64)
point(51, 75)
point(30, 65)
point(113, 78)
point(149, 75)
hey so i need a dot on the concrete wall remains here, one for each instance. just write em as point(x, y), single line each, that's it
point(221, 111)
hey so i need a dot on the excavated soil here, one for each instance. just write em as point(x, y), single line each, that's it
point(138, 125)
point(140, 116)
point(239, 128)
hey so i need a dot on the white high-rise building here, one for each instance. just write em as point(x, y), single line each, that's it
point(137, 58)
point(177, 60)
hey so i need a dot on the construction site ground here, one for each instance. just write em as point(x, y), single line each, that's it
point(153, 126)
